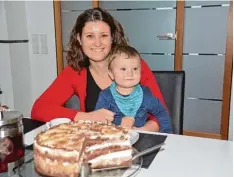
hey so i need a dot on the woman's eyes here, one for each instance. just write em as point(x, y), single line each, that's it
point(104, 35)
point(123, 69)
point(92, 36)
point(89, 36)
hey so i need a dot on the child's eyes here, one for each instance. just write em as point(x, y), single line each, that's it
point(135, 69)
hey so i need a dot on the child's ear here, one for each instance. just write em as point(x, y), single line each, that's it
point(110, 75)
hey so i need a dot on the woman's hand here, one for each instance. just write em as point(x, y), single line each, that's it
point(101, 115)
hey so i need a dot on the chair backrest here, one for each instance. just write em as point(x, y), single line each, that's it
point(73, 103)
point(172, 85)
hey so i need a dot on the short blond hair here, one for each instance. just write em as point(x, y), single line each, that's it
point(122, 49)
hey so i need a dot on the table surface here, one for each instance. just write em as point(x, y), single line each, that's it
point(183, 156)
point(186, 156)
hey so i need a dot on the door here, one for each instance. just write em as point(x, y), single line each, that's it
point(145, 23)
point(204, 54)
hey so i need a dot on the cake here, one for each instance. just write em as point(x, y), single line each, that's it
point(61, 150)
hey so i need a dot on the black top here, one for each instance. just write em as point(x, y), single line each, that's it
point(92, 92)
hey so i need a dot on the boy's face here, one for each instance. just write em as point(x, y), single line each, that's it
point(126, 72)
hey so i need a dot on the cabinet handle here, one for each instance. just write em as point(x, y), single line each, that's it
point(13, 41)
point(166, 36)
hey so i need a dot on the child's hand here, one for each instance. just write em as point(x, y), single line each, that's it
point(128, 122)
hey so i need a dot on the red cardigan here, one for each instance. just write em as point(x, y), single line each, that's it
point(69, 82)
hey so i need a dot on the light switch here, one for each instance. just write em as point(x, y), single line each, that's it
point(35, 44)
point(44, 46)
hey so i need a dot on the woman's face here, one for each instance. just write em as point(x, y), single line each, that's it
point(96, 40)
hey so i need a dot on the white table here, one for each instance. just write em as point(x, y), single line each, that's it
point(185, 156)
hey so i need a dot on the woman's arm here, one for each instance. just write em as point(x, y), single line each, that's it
point(148, 80)
point(150, 125)
point(50, 104)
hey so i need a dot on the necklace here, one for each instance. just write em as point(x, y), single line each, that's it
point(102, 76)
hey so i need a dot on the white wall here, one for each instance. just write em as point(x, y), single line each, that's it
point(23, 74)
point(19, 56)
point(5, 63)
point(40, 17)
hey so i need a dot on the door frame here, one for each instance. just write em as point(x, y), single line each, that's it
point(227, 79)
point(58, 35)
point(178, 60)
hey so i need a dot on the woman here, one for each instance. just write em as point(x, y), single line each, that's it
point(91, 40)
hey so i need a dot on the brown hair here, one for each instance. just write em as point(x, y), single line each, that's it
point(122, 49)
point(75, 56)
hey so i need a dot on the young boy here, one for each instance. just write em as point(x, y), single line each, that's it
point(126, 97)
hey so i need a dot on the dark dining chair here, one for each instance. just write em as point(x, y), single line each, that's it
point(73, 103)
point(172, 86)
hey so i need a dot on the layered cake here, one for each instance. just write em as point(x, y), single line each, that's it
point(61, 150)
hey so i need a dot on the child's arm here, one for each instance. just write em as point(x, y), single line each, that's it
point(156, 108)
point(102, 102)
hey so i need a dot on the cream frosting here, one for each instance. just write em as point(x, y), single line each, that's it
point(108, 144)
point(126, 154)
